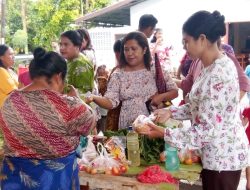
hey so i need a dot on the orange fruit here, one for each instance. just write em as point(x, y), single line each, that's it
point(188, 161)
point(108, 172)
point(88, 170)
point(93, 171)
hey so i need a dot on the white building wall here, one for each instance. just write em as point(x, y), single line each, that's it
point(171, 14)
point(103, 40)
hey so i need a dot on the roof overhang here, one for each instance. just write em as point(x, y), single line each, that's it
point(114, 15)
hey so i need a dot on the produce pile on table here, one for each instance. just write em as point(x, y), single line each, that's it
point(154, 174)
point(110, 156)
point(106, 157)
point(152, 150)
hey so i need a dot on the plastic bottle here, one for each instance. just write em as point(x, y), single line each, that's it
point(133, 147)
point(172, 162)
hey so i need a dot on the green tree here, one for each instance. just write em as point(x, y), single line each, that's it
point(49, 18)
point(91, 5)
point(13, 18)
point(46, 19)
point(24, 21)
point(20, 40)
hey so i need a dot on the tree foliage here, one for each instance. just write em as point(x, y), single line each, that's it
point(92, 5)
point(50, 18)
point(46, 19)
point(20, 40)
point(13, 18)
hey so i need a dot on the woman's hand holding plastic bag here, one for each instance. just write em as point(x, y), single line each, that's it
point(162, 115)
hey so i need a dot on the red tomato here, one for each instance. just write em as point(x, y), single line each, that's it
point(162, 157)
point(123, 169)
point(82, 168)
point(195, 159)
point(115, 171)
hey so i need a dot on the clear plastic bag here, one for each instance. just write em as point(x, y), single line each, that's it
point(116, 147)
point(172, 123)
point(89, 154)
point(140, 123)
point(188, 156)
point(103, 161)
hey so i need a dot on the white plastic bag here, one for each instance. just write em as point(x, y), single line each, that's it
point(140, 123)
point(104, 161)
point(89, 154)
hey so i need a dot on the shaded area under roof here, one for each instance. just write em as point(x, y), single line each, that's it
point(117, 14)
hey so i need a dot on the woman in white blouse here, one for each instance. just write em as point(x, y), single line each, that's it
point(214, 107)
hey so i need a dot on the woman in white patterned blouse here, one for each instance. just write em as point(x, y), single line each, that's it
point(214, 107)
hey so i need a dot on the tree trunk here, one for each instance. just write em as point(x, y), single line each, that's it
point(81, 7)
point(23, 13)
point(3, 21)
point(86, 6)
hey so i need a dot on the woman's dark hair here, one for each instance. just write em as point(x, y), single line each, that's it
point(47, 64)
point(143, 43)
point(85, 36)
point(3, 49)
point(117, 46)
point(154, 39)
point(74, 37)
point(203, 22)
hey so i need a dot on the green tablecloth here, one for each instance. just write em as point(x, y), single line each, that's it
point(191, 173)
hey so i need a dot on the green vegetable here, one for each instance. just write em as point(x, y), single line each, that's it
point(151, 149)
point(121, 132)
point(66, 89)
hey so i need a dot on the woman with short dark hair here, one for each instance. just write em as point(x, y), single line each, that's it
point(42, 129)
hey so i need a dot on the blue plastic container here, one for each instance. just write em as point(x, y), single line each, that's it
point(172, 162)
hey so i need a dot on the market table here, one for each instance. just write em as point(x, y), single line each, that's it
point(103, 181)
point(128, 181)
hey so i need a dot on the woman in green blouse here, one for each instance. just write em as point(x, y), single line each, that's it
point(80, 70)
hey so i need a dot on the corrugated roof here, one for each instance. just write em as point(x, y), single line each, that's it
point(117, 14)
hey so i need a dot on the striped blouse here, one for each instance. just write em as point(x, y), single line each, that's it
point(43, 124)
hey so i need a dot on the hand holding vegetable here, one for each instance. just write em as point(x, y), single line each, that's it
point(154, 131)
point(89, 99)
point(162, 115)
point(71, 91)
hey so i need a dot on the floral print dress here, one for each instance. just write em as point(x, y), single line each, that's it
point(215, 113)
point(133, 89)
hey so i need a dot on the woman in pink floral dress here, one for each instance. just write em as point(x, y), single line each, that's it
point(134, 83)
point(158, 46)
point(214, 107)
